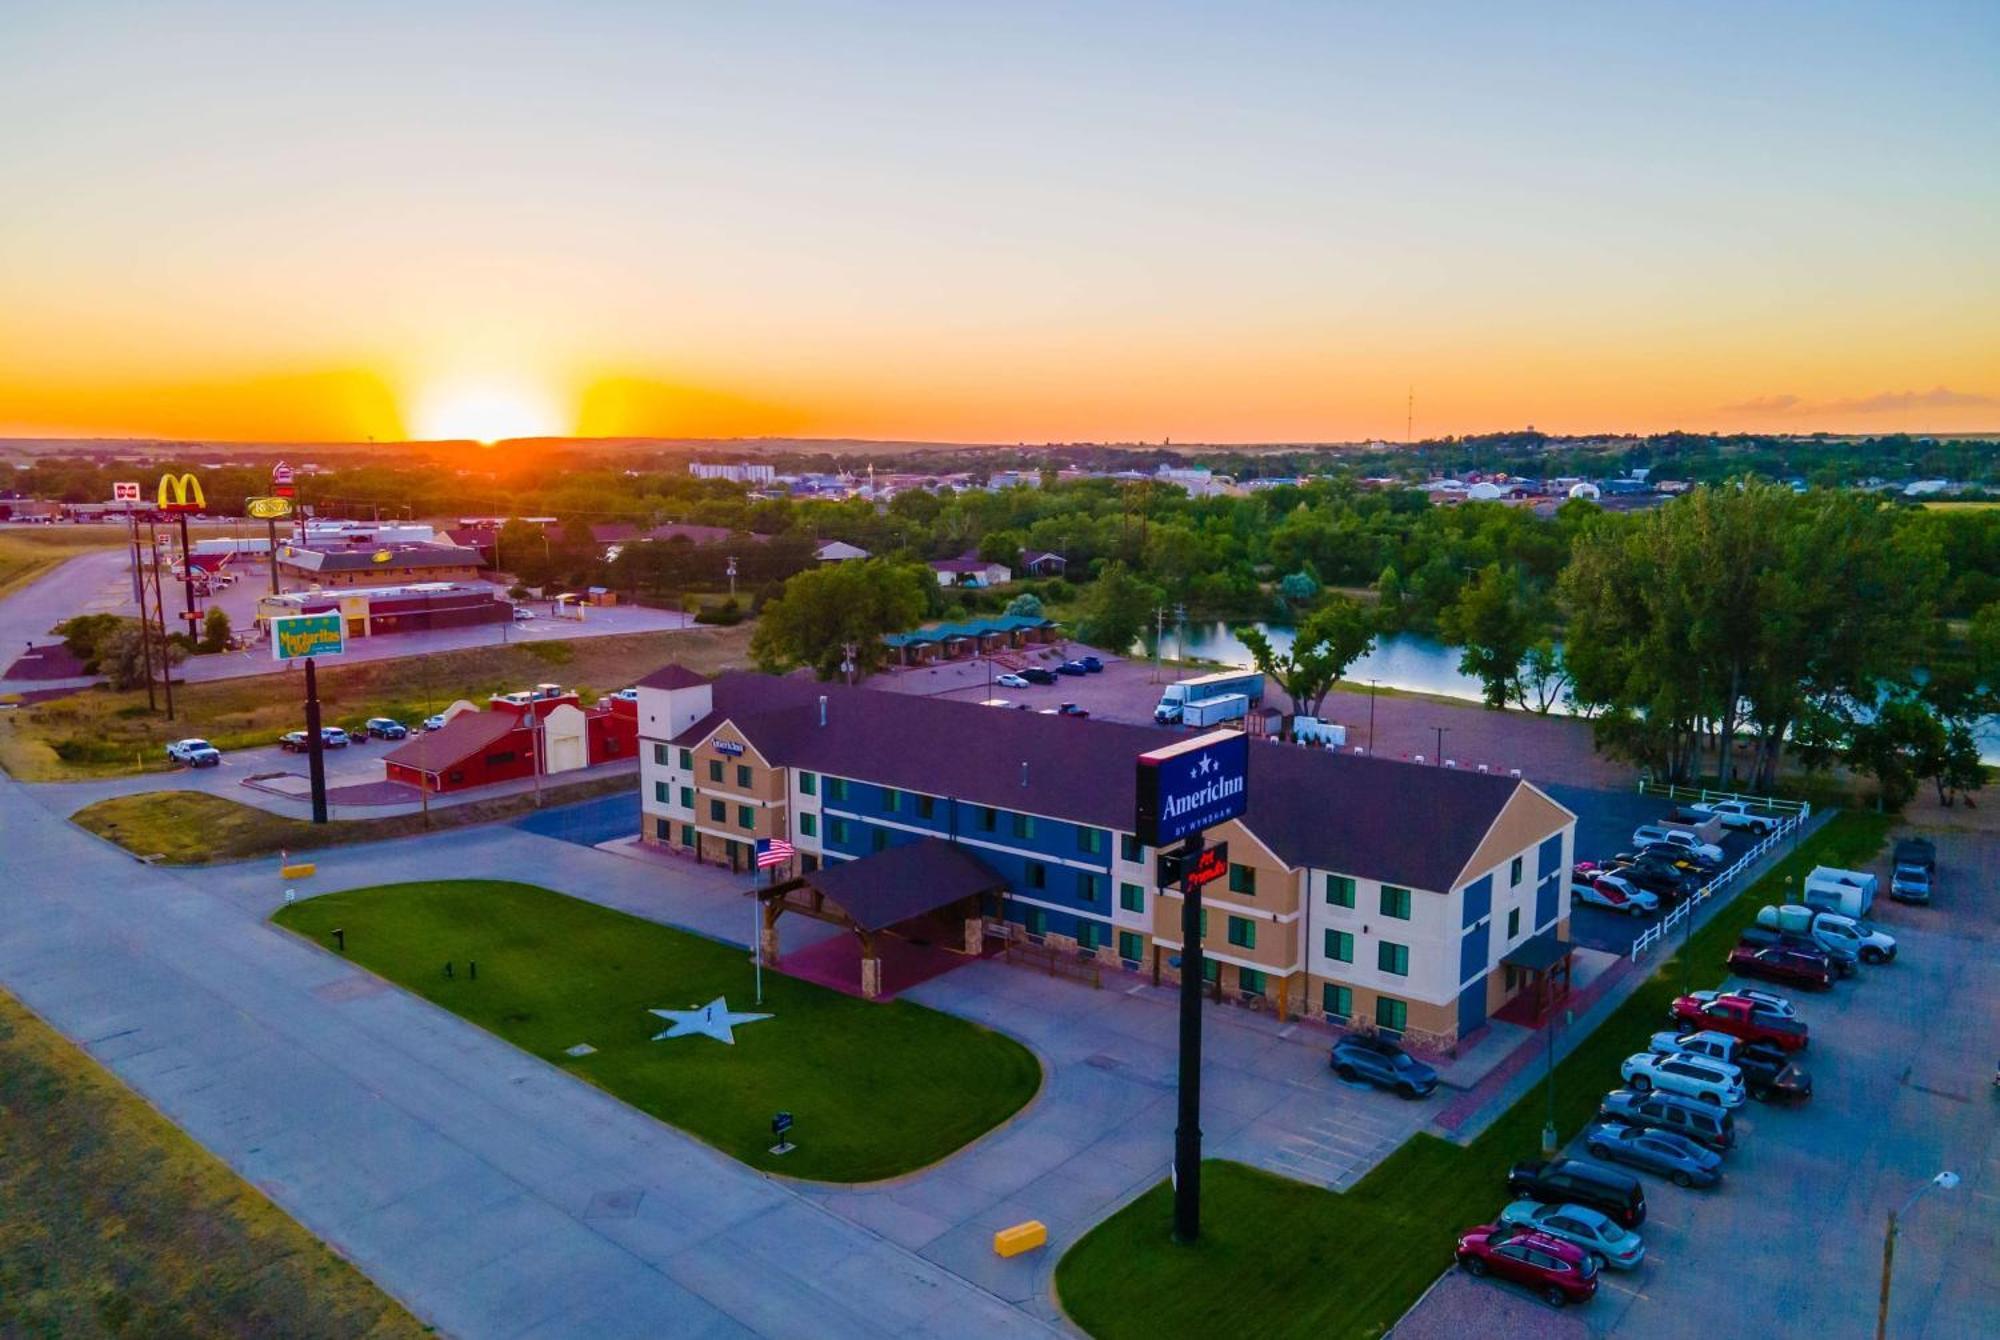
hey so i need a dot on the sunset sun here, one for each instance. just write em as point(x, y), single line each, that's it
point(485, 411)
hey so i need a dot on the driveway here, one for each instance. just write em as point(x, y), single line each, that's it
point(1791, 1243)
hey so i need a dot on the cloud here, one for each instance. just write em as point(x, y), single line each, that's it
point(1883, 402)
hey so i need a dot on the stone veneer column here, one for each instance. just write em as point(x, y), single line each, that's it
point(871, 978)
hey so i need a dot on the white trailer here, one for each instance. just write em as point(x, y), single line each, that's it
point(1848, 892)
point(1311, 730)
point(1215, 711)
point(1174, 698)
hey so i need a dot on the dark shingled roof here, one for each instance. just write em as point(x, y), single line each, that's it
point(672, 677)
point(463, 736)
point(902, 882)
point(1372, 818)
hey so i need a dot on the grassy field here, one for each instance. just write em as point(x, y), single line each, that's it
point(195, 827)
point(98, 733)
point(876, 1089)
point(1310, 1262)
point(114, 1223)
point(26, 552)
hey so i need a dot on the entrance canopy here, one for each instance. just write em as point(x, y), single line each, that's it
point(1539, 954)
point(902, 882)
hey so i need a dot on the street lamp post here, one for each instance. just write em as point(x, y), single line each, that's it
point(1371, 716)
point(1442, 731)
point(1944, 1181)
point(1549, 1127)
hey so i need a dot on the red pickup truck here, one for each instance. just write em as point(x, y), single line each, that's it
point(1741, 1018)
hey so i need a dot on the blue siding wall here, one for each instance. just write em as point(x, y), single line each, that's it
point(1478, 899)
point(1550, 858)
point(1472, 949)
point(1471, 1008)
point(1547, 896)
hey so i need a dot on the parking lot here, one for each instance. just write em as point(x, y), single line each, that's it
point(1790, 1243)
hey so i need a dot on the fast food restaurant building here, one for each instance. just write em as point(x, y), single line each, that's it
point(1419, 900)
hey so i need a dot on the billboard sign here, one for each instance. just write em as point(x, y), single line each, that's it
point(268, 509)
point(1195, 784)
point(297, 636)
point(1177, 871)
point(126, 491)
point(181, 493)
point(281, 480)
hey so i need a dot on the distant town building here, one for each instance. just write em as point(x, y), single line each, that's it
point(740, 472)
point(378, 565)
point(970, 570)
point(839, 551)
point(1042, 563)
point(373, 610)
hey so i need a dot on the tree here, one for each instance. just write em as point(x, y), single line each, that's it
point(1902, 744)
point(1958, 771)
point(1389, 600)
point(1027, 605)
point(1543, 678)
point(1299, 587)
point(121, 656)
point(87, 635)
point(1332, 638)
point(522, 548)
point(215, 630)
point(824, 610)
point(1116, 608)
point(1496, 620)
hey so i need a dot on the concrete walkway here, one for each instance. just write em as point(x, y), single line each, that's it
point(493, 1194)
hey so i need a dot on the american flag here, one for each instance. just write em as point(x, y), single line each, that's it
point(773, 851)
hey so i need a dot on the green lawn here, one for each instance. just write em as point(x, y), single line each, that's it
point(877, 1090)
point(115, 1223)
point(1309, 1262)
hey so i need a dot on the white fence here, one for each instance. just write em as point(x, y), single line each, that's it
point(1722, 880)
point(1703, 796)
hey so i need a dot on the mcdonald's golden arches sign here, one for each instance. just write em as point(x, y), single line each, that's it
point(181, 493)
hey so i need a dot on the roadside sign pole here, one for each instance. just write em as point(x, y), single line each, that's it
point(145, 624)
point(187, 573)
point(1187, 1134)
point(160, 600)
point(273, 524)
point(315, 746)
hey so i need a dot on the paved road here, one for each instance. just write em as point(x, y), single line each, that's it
point(491, 1193)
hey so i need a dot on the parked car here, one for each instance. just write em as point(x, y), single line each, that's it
point(434, 722)
point(1580, 1226)
point(1579, 1181)
point(1859, 939)
point(1559, 1271)
point(1686, 1163)
point(1913, 870)
point(1613, 892)
point(1091, 664)
point(1072, 710)
point(1776, 963)
point(1034, 674)
point(1011, 681)
point(1839, 956)
point(1071, 668)
point(1690, 1076)
point(1770, 1002)
point(333, 737)
point(1741, 1017)
point(1666, 858)
point(194, 753)
point(386, 728)
point(522, 614)
point(293, 742)
point(1703, 1123)
point(1671, 882)
point(1767, 1072)
point(1646, 835)
point(1740, 814)
point(1382, 1063)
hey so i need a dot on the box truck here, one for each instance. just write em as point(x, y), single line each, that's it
point(1175, 698)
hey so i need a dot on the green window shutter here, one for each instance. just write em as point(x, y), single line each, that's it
point(1339, 891)
point(1250, 980)
point(1393, 958)
point(808, 784)
point(1131, 897)
point(1131, 848)
point(687, 759)
point(687, 797)
point(1131, 946)
point(746, 816)
point(1243, 932)
point(1243, 879)
point(1340, 946)
point(717, 812)
point(743, 774)
point(1513, 923)
point(660, 792)
point(1391, 1014)
point(1337, 1001)
point(687, 835)
point(808, 825)
point(715, 770)
point(892, 799)
point(660, 755)
point(1395, 902)
point(1211, 970)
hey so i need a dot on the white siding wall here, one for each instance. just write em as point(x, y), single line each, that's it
point(1431, 934)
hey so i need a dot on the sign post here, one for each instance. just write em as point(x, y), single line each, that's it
point(1183, 790)
point(180, 495)
point(304, 637)
point(269, 510)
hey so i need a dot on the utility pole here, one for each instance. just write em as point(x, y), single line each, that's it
point(1371, 716)
point(1159, 638)
point(849, 653)
point(160, 602)
point(315, 745)
point(145, 624)
point(1187, 1128)
point(187, 572)
point(1442, 731)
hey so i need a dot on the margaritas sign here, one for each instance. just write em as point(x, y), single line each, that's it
point(295, 636)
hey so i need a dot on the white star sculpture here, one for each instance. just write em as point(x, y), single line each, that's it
point(713, 1019)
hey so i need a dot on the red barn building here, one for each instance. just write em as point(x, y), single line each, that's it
point(500, 744)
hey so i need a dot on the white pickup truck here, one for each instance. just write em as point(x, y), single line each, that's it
point(1837, 932)
point(1738, 814)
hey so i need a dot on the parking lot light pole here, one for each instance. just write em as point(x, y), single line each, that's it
point(1944, 1181)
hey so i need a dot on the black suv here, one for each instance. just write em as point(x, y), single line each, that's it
point(1034, 674)
point(1703, 1123)
point(1581, 1182)
point(1383, 1064)
point(1657, 877)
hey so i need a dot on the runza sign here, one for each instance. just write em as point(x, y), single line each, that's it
point(296, 636)
point(1192, 785)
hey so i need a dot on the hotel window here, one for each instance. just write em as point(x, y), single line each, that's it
point(1337, 1001)
point(1203, 927)
point(687, 797)
point(1339, 891)
point(1086, 885)
point(743, 774)
point(808, 825)
point(1250, 981)
point(1513, 923)
point(892, 799)
point(1131, 849)
point(836, 790)
point(1090, 840)
point(1038, 875)
point(1514, 874)
point(1243, 879)
point(1211, 970)
point(1395, 902)
point(1391, 1014)
point(715, 770)
point(1243, 932)
point(926, 806)
point(746, 816)
point(687, 835)
point(988, 819)
point(836, 830)
point(1024, 825)
point(660, 755)
point(879, 838)
point(808, 784)
point(1131, 897)
point(1035, 921)
point(660, 793)
point(1131, 946)
point(1089, 935)
point(718, 812)
point(1340, 946)
point(1393, 958)
point(687, 759)
point(663, 830)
